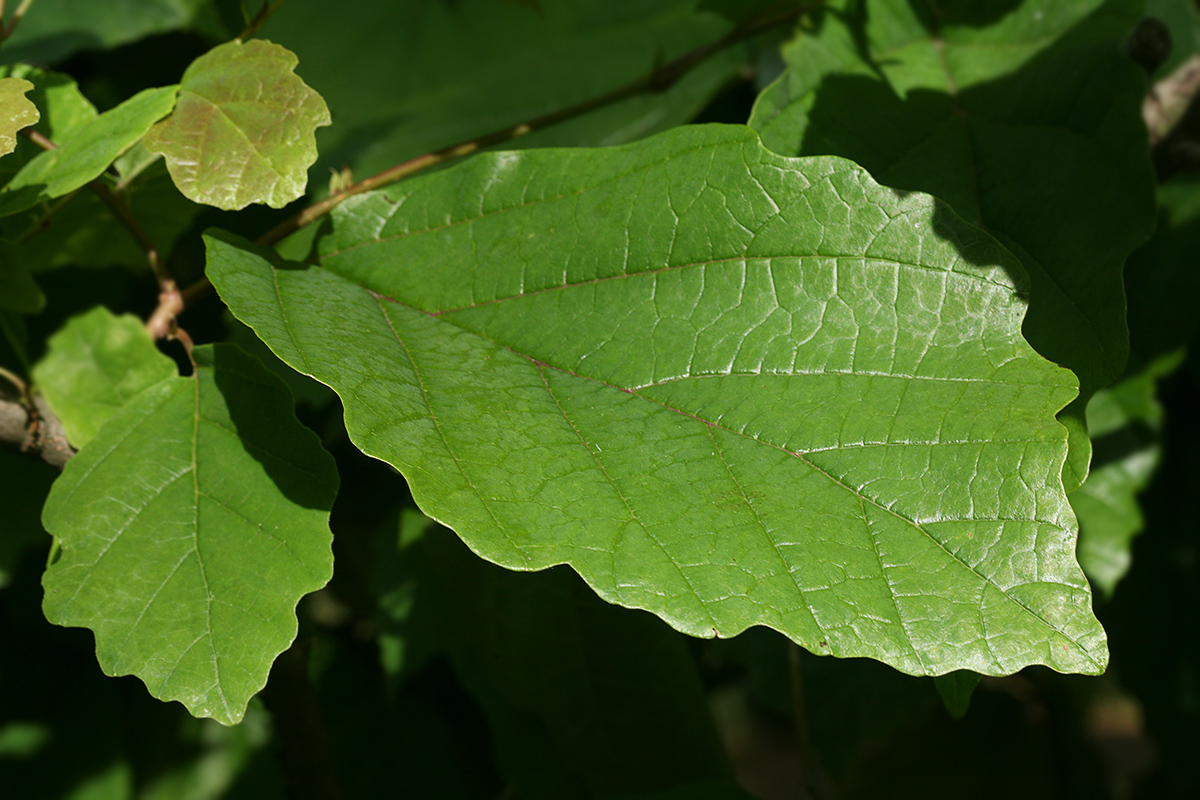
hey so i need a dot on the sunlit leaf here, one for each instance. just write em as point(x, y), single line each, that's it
point(455, 71)
point(190, 526)
point(726, 386)
point(242, 131)
point(94, 365)
point(16, 111)
point(1025, 118)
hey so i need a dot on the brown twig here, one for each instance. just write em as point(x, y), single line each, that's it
point(28, 425)
point(660, 79)
point(7, 28)
point(258, 20)
point(170, 302)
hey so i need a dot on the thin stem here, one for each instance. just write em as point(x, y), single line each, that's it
point(659, 80)
point(258, 20)
point(120, 209)
point(7, 28)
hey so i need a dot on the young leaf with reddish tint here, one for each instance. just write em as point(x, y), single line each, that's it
point(243, 129)
point(726, 386)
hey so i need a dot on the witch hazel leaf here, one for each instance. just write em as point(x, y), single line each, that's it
point(190, 526)
point(979, 115)
point(94, 365)
point(243, 129)
point(726, 386)
point(16, 111)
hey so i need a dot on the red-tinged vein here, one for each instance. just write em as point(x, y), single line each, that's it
point(617, 490)
point(883, 572)
point(853, 491)
point(437, 426)
point(762, 525)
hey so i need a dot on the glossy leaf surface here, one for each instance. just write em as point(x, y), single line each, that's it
point(94, 365)
point(242, 131)
point(16, 111)
point(190, 526)
point(983, 106)
point(726, 386)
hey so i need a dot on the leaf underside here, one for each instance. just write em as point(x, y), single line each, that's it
point(725, 386)
point(16, 111)
point(190, 526)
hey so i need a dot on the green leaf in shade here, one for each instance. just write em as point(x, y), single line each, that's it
point(85, 233)
point(1125, 421)
point(57, 28)
point(726, 386)
point(94, 365)
point(981, 107)
point(16, 111)
point(190, 526)
point(456, 71)
point(956, 689)
point(18, 291)
point(242, 131)
point(520, 643)
point(24, 483)
point(93, 146)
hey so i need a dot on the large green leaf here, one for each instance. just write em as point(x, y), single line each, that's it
point(242, 131)
point(94, 365)
point(454, 71)
point(1025, 118)
point(190, 526)
point(726, 386)
point(16, 111)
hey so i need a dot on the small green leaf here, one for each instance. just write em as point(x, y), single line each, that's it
point(18, 290)
point(1126, 422)
point(243, 130)
point(191, 525)
point(16, 111)
point(94, 365)
point(726, 386)
point(956, 689)
point(94, 146)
